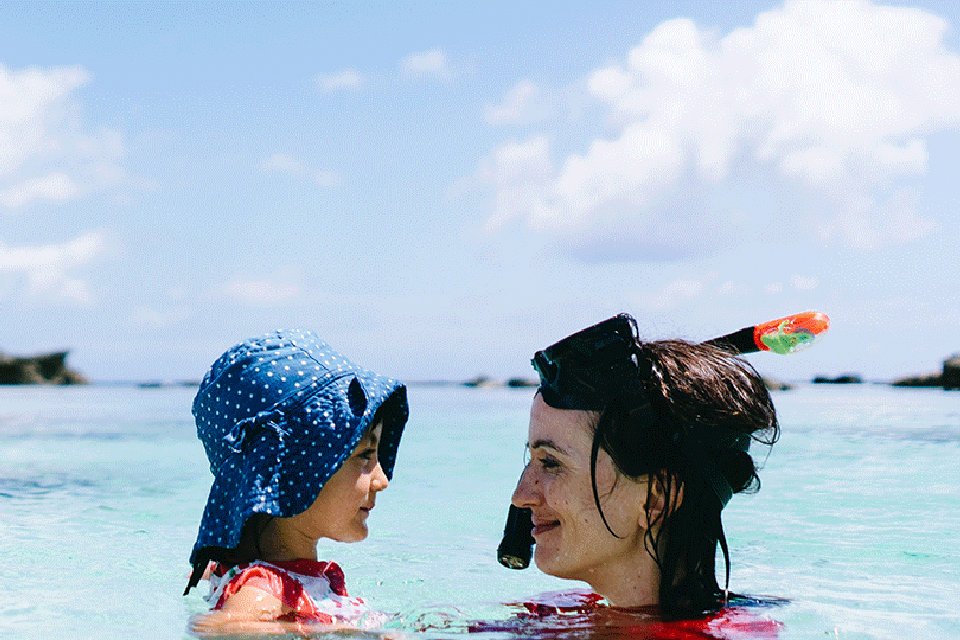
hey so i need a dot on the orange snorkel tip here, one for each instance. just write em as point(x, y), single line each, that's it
point(791, 333)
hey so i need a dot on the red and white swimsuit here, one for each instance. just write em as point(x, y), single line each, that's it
point(557, 614)
point(315, 591)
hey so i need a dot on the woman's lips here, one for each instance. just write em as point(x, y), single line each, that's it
point(539, 528)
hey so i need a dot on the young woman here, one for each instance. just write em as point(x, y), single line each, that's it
point(300, 441)
point(635, 449)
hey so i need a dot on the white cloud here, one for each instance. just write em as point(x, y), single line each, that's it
point(804, 283)
point(49, 269)
point(729, 289)
point(432, 64)
point(521, 105)
point(56, 187)
point(283, 163)
point(340, 80)
point(672, 295)
point(834, 98)
point(289, 165)
point(516, 168)
point(263, 291)
point(46, 152)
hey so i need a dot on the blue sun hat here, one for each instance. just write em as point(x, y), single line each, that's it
point(278, 415)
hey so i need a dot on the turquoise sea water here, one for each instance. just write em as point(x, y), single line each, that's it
point(101, 489)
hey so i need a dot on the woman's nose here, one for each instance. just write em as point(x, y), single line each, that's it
point(527, 494)
point(379, 482)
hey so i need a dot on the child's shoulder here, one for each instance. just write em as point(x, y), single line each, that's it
point(305, 589)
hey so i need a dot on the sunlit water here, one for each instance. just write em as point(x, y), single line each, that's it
point(101, 489)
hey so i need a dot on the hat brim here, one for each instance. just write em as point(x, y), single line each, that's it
point(281, 474)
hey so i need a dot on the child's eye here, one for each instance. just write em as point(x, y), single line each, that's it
point(368, 454)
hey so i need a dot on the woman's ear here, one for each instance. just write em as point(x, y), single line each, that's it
point(664, 496)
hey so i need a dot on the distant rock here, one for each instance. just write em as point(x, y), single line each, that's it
point(929, 380)
point(48, 368)
point(951, 372)
point(776, 385)
point(167, 384)
point(948, 378)
point(481, 382)
point(522, 382)
point(847, 378)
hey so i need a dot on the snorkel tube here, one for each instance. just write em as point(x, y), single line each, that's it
point(783, 335)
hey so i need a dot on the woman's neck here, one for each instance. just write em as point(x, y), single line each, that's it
point(280, 540)
point(632, 582)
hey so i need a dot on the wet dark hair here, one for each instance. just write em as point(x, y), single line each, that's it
point(685, 424)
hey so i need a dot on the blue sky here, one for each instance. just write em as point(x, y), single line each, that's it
point(442, 188)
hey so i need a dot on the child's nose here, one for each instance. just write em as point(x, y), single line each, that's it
point(379, 482)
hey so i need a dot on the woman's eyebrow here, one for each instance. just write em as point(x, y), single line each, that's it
point(548, 444)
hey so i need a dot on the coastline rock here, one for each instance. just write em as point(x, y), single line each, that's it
point(522, 383)
point(481, 382)
point(929, 380)
point(951, 372)
point(48, 368)
point(948, 378)
point(776, 385)
point(847, 378)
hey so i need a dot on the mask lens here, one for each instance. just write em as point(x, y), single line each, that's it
point(547, 369)
point(575, 371)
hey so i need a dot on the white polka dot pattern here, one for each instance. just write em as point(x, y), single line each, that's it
point(277, 416)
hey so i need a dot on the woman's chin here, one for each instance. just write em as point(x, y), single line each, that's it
point(547, 561)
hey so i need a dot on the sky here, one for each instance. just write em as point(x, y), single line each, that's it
point(439, 189)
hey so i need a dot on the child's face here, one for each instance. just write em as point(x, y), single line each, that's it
point(340, 511)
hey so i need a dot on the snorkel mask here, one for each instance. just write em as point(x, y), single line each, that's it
point(586, 370)
point(601, 365)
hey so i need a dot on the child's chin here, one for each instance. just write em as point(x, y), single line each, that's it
point(355, 535)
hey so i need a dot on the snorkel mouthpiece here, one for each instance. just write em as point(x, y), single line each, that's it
point(516, 547)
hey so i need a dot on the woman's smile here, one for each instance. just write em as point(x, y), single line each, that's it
point(572, 541)
point(542, 526)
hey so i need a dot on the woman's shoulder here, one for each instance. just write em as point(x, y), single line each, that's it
point(561, 602)
point(562, 611)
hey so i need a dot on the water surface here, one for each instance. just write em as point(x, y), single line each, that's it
point(101, 489)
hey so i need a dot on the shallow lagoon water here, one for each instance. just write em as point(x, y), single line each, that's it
point(101, 489)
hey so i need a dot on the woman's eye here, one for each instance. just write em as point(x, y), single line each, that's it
point(549, 464)
point(367, 454)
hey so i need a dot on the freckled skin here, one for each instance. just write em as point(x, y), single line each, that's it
point(571, 539)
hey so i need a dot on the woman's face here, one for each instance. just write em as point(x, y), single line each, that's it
point(340, 511)
point(572, 541)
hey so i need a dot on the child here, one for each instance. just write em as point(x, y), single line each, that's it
point(300, 441)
